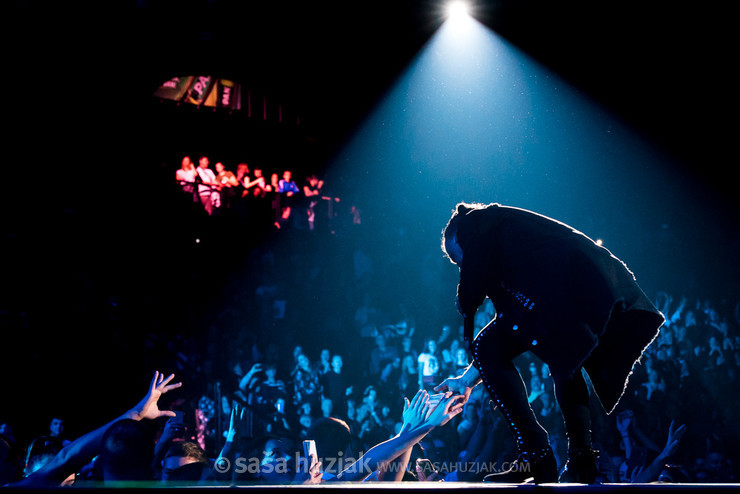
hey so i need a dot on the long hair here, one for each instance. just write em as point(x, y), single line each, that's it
point(450, 230)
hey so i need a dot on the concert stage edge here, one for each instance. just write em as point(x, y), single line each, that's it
point(418, 488)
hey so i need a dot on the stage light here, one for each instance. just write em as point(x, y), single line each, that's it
point(457, 10)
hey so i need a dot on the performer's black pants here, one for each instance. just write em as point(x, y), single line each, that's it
point(495, 349)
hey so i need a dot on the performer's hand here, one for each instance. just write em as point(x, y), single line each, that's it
point(461, 392)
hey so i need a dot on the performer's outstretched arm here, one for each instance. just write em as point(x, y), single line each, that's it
point(461, 386)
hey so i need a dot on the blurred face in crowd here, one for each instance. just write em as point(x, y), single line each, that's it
point(203, 162)
point(56, 427)
point(432, 346)
point(336, 363)
point(714, 462)
point(462, 358)
point(186, 163)
point(287, 175)
point(270, 373)
point(303, 362)
point(406, 342)
point(219, 167)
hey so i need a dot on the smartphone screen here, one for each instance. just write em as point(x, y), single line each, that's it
point(425, 465)
point(309, 449)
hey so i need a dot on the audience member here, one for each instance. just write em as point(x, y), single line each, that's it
point(334, 387)
point(125, 446)
point(228, 186)
point(381, 356)
point(305, 383)
point(429, 370)
point(208, 186)
point(185, 177)
point(312, 192)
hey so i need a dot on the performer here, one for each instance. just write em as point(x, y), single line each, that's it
point(563, 297)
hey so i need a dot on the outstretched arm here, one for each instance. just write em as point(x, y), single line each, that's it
point(410, 434)
point(414, 414)
point(652, 471)
point(80, 451)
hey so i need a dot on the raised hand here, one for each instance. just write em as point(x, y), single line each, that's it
point(674, 436)
point(416, 411)
point(312, 476)
point(235, 422)
point(147, 408)
point(624, 420)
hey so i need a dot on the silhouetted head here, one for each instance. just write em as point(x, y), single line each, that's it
point(179, 454)
point(333, 440)
point(40, 452)
point(450, 240)
point(127, 451)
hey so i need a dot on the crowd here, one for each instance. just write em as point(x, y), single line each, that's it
point(277, 199)
point(316, 342)
point(371, 413)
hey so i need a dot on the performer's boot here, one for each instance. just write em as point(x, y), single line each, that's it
point(582, 466)
point(535, 459)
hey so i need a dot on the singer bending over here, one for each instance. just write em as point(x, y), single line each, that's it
point(561, 296)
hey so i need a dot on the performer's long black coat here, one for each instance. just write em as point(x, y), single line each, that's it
point(560, 289)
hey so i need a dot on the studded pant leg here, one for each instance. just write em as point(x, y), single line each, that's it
point(494, 351)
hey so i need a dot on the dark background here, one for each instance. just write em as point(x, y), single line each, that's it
point(84, 141)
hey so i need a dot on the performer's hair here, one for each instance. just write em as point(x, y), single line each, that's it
point(461, 209)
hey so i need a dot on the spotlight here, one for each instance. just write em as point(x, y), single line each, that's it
point(457, 10)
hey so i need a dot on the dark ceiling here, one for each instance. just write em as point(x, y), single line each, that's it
point(662, 66)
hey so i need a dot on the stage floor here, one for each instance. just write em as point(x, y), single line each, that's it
point(447, 487)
